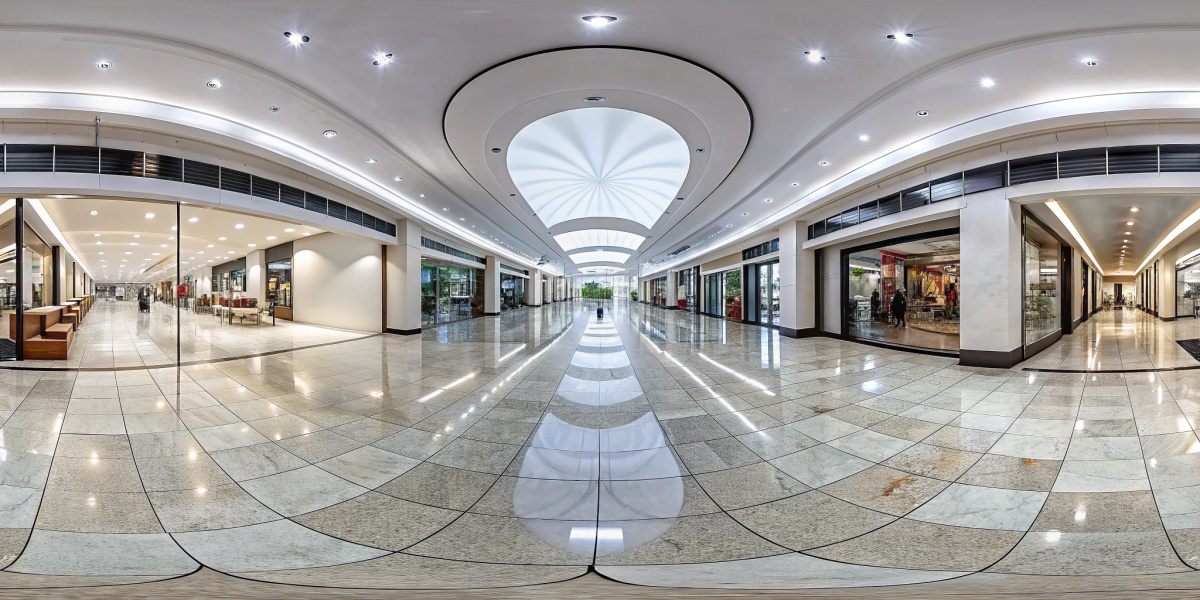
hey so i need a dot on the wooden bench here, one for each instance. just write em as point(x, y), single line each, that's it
point(61, 331)
point(47, 334)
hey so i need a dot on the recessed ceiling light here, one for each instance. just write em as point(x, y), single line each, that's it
point(422, 195)
point(95, 235)
point(93, 213)
point(288, 230)
point(99, 243)
point(922, 113)
point(104, 64)
point(252, 245)
point(987, 82)
point(864, 138)
point(149, 215)
point(271, 237)
point(238, 226)
point(599, 20)
point(162, 245)
point(382, 58)
point(371, 161)
point(214, 83)
point(766, 200)
point(273, 108)
point(230, 252)
point(128, 253)
point(594, 99)
point(307, 233)
point(824, 163)
point(814, 56)
point(901, 37)
point(397, 178)
point(221, 239)
point(1090, 62)
point(1129, 222)
point(295, 39)
point(462, 218)
point(1127, 233)
point(795, 184)
point(193, 219)
point(1134, 209)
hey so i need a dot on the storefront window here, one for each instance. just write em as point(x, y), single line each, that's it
point(449, 293)
point(686, 290)
point(732, 286)
point(1187, 288)
point(37, 266)
point(1041, 283)
point(279, 282)
point(906, 293)
point(512, 291)
point(658, 291)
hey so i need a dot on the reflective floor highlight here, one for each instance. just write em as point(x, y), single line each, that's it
point(652, 447)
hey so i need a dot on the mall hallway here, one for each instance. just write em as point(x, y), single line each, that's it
point(654, 447)
point(1117, 340)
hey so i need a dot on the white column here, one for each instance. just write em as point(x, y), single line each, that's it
point(404, 280)
point(797, 293)
point(991, 298)
point(672, 290)
point(1166, 285)
point(256, 276)
point(491, 289)
point(533, 288)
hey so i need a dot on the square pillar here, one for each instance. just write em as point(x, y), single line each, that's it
point(491, 287)
point(672, 290)
point(403, 275)
point(991, 299)
point(797, 272)
point(533, 288)
point(256, 276)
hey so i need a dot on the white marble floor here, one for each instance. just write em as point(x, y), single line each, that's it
point(654, 447)
point(1121, 340)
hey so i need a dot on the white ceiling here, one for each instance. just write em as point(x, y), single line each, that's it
point(120, 244)
point(1102, 221)
point(804, 113)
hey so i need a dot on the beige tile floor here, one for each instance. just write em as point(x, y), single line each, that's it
point(654, 448)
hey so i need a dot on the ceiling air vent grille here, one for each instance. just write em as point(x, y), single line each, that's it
point(1179, 158)
point(679, 250)
point(868, 211)
point(1082, 163)
point(1133, 159)
point(914, 197)
point(164, 167)
point(29, 158)
point(291, 196)
point(1033, 168)
point(235, 181)
point(77, 159)
point(122, 162)
point(946, 188)
point(984, 178)
point(200, 173)
point(261, 187)
point(317, 204)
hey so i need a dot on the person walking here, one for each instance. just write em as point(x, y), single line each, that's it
point(899, 306)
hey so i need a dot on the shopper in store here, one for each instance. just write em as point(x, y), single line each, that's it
point(876, 305)
point(899, 306)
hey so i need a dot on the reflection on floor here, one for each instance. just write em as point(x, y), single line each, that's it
point(115, 334)
point(911, 335)
point(1121, 339)
point(657, 447)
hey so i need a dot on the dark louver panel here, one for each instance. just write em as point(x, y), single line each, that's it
point(264, 188)
point(121, 162)
point(29, 158)
point(1033, 168)
point(946, 188)
point(850, 217)
point(368, 221)
point(983, 179)
point(1133, 159)
point(354, 216)
point(889, 205)
point(291, 196)
point(818, 229)
point(201, 173)
point(1179, 158)
point(914, 197)
point(316, 203)
point(391, 229)
point(833, 223)
point(337, 210)
point(868, 211)
point(164, 167)
point(1082, 163)
point(76, 159)
point(235, 181)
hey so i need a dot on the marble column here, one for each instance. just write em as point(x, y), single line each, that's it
point(991, 299)
point(404, 280)
point(672, 290)
point(256, 276)
point(797, 272)
point(491, 287)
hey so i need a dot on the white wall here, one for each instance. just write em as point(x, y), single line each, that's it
point(337, 281)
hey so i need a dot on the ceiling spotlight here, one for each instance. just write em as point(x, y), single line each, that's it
point(252, 245)
point(766, 200)
point(307, 233)
point(1129, 222)
point(594, 99)
point(288, 230)
point(1134, 209)
point(94, 213)
point(99, 243)
point(987, 82)
point(193, 219)
point(273, 108)
point(95, 235)
point(814, 56)
point(1090, 62)
point(862, 138)
point(599, 20)
point(329, 133)
point(104, 64)
point(221, 239)
point(1127, 233)
point(295, 39)
point(422, 195)
point(901, 37)
point(371, 161)
point(238, 226)
point(824, 163)
point(795, 184)
point(149, 215)
point(382, 58)
point(214, 83)
point(397, 178)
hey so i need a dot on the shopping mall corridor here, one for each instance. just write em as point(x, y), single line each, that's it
point(547, 448)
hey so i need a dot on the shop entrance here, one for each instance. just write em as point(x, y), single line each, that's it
point(762, 295)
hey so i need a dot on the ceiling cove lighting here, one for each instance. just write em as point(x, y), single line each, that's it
point(599, 20)
point(1179, 229)
point(1062, 216)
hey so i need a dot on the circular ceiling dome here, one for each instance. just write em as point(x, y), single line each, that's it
point(598, 162)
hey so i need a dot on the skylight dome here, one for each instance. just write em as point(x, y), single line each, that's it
point(598, 162)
